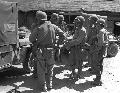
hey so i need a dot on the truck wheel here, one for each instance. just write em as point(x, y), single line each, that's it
point(112, 50)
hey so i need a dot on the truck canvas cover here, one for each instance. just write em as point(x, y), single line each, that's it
point(8, 23)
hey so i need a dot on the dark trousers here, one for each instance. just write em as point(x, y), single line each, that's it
point(99, 66)
point(26, 57)
point(45, 65)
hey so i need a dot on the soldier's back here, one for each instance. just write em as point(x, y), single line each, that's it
point(46, 33)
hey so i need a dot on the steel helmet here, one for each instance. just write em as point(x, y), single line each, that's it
point(101, 22)
point(41, 15)
point(61, 17)
point(79, 19)
point(93, 18)
point(54, 16)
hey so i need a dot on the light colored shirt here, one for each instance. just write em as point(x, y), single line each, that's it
point(79, 37)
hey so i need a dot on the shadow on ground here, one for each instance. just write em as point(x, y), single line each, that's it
point(83, 84)
point(17, 77)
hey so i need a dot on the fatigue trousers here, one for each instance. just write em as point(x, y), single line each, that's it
point(57, 52)
point(89, 59)
point(93, 57)
point(99, 67)
point(45, 66)
point(25, 57)
point(33, 58)
point(75, 59)
point(45, 74)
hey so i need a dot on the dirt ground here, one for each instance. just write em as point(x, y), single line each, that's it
point(17, 78)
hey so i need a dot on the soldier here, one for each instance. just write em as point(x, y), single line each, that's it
point(27, 57)
point(91, 33)
point(100, 50)
point(54, 19)
point(43, 39)
point(27, 54)
point(75, 46)
point(62, 24)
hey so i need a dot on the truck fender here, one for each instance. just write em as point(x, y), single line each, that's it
point(112, 50)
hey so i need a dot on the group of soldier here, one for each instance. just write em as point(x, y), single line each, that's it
point(47, 37)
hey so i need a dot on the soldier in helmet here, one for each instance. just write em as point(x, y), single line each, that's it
point(100, 50)
point(54, 19)
point(92, 32)
point(62, 24)
point(43, 40)
point(75, 46)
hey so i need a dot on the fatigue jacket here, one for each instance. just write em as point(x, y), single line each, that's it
point(76, 53)
point(91, 34)
point(43, 37)
point(79, 37)
point(46, 34)
point(99, 41)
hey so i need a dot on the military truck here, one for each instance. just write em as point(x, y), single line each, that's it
point(8, 33)
point(113, 47)
point(10, 44)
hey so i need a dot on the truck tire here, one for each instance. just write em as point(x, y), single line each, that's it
point(112, 50)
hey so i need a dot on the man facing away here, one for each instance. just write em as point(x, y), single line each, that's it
point(43, 39)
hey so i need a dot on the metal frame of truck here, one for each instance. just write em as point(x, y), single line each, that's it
point(9, 39)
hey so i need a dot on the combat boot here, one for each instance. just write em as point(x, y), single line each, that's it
point(43, 88)
point(97, 81)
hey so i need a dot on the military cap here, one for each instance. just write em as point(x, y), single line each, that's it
point(41, 15)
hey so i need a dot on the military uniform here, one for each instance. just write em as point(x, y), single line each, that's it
point(54, 19)
point(76, 51)
point(92, 39)
point(63, 52)
point(62, 24)
point(92, 32)
point(100, 50)
point(43, 38)
point(28, 57)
